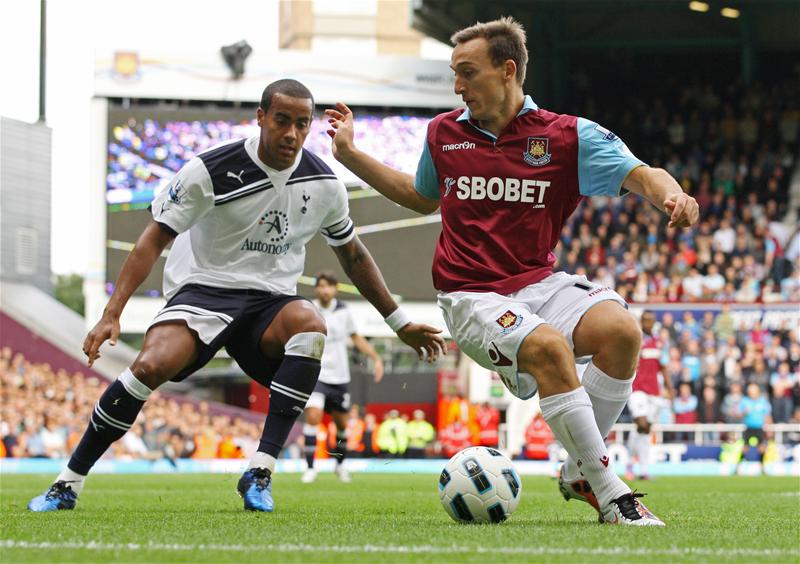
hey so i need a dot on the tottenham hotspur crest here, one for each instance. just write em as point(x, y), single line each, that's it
point(537, 152)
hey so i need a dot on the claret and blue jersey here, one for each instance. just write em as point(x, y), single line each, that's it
point(504, 199)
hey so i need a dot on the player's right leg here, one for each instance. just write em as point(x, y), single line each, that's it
point(567, 409)
point(168, 348)
point(313, 416)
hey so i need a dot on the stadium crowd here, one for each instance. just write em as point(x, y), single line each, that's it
point(733, 149)
point(44, 410)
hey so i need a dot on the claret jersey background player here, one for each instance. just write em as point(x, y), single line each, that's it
point(506, 174)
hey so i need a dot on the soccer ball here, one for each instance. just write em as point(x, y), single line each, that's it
point(479, 485)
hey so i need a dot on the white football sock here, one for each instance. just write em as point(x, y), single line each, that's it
point(609, 396)
point(262, 460)
point(570, 417)
point(74, 480)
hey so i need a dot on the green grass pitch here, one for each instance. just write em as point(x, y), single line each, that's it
point(391, 518)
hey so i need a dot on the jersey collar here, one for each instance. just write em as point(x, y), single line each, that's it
point(528, 105)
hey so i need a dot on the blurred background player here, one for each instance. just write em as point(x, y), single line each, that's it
point(506, 175)
point(645, 401)
point(231, 278)
point(756, 412)
point(331, 393)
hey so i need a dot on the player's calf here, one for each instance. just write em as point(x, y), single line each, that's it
point(289, 392)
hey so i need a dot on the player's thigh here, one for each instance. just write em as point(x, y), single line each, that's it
point(587, 314)
point(296, 316)
point(168, 348)
point(490, 329)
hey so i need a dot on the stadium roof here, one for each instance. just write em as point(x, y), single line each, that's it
point(645, 24)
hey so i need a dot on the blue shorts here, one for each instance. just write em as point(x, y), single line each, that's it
point(231, 318)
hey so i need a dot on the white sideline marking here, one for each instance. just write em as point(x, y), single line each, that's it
point(398, 549)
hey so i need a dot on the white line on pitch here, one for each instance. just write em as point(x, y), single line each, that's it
point(398, 549)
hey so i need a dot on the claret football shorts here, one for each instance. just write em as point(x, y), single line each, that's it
point(490, 328)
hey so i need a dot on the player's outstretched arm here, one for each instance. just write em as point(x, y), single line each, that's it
point(658, 186)
point(395, 185)
point(365, 275)
point(153, 240)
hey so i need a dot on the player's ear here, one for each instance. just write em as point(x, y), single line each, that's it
point(260, 115)
point(510, 69)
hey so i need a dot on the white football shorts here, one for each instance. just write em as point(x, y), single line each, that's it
point(642, 404)
point(490, 328)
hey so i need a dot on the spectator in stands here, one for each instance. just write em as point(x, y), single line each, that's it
point(782, 383)
point(538, 438)
point(454, 438)
point(488, 420)
point(393, 435)
point(684, 406)
point(355, 429)
point(731, 403)
point(420, 435)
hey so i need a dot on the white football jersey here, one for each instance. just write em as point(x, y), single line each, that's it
point(242, 224)
point(335, 362)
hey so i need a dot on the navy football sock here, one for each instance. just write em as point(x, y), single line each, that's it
point(290, 389)
point(340, 450)
point(113, 415)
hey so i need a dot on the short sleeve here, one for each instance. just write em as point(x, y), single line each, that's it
point(337, 227)
point(604, 161)
point(186, 199)
point(427, 179)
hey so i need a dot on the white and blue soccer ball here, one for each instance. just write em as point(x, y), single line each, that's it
point(479, 485)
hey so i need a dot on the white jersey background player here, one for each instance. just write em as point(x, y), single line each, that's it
point(331, 394)
point(240, 215)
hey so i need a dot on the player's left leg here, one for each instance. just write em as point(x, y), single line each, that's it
point(340, 451)
point(296, 334)
point(313, 417)
point(610, 335)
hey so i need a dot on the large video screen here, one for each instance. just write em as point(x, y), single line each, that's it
point(146, 148)
point(149, 143)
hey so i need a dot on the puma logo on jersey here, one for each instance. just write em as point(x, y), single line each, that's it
point(236, 176)
point(496, 189)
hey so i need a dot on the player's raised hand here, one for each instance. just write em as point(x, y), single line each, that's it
point(107, 329)
point(682, 209)
point(424, 339)
point(341, 129)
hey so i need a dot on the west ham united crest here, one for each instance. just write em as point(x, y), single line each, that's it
point(537, 152)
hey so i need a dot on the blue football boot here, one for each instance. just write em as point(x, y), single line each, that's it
point(59, 496)
point(255, 487)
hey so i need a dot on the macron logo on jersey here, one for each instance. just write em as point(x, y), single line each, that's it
point(525, 191)
point(458, 146)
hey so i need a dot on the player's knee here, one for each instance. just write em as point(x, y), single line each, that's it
point(313, 416)
point(149, 372)
point(308, 344)
point(544, 351)
point(625, 334)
